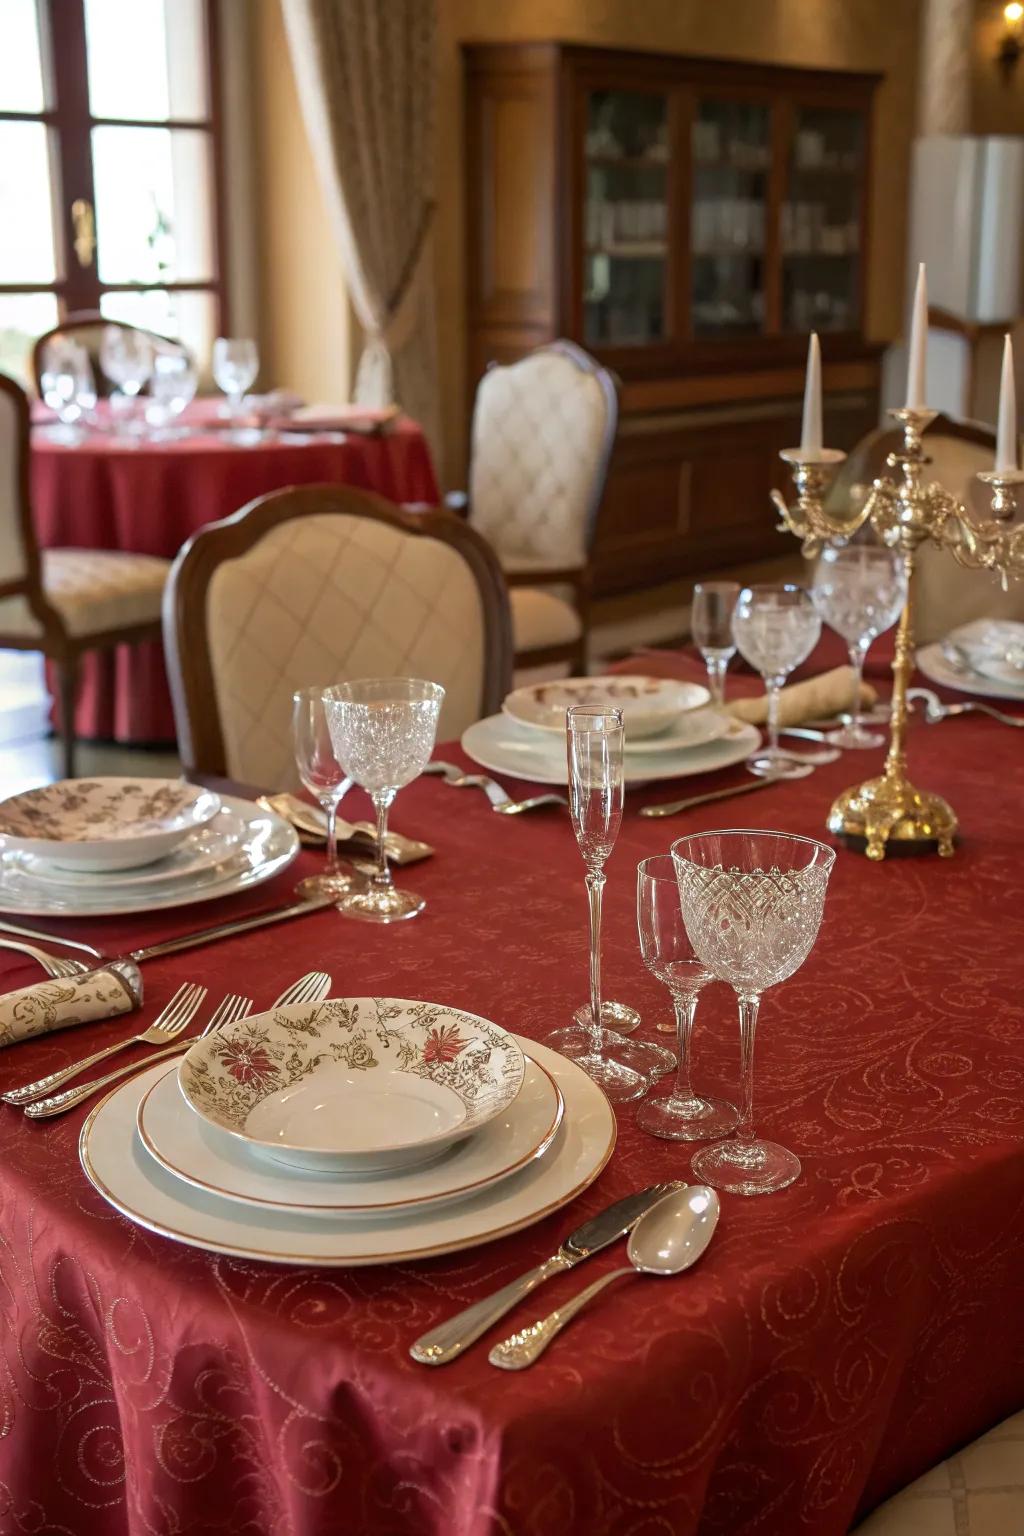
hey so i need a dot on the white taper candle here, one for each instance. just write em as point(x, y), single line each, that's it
point(1006, 436)
point(811, 432)
point(917, 365)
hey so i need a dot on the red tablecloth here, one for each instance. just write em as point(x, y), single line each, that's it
point(107, 495)
point(837, 1339)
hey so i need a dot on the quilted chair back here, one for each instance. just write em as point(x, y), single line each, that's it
point(946, 594)
point(315, 586)
point(543, 430)
point(19, 559)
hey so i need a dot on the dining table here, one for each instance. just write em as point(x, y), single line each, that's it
point(837, 1338)
point(151, 494)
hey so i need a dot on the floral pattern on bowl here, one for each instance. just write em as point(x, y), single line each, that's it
point(104, 823)
point(648, 704)
point(397, 1081)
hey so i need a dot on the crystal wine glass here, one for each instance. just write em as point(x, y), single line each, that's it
point(325, 778)
point(711, 624)
point(236, 363)
point(776, 627)
point(859, 590)
point(595, 743)
point(668, 955)
point(752, 903)
point(67, 386)
point(172, 388)
point(126, 357)
point(383, 730)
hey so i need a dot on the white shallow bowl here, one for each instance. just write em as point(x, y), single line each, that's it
point(363, 1084)
point(648, 704)
point(105, 824)
point(994, 648)
point(938, 669)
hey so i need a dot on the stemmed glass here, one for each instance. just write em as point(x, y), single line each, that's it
point(776, 627)
point(325, 778)
point(668, 955)
point(859, 591)
point(752, 903)
point(595, 744)
point(126, 357)
point(236, 363)
point(711, 624)
point(172, 387)
point(383, 730)
point(67, 386)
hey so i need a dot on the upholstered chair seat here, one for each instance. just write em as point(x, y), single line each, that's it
point(315, 586)
point(977, 1492)
point(543, 429)
point(92, 591)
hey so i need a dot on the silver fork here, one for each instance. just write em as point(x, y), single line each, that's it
point(54, 967)
point(935, 710)
point(501, 800)
point(181, 1010)
point(228, 1012)
point(311, 988)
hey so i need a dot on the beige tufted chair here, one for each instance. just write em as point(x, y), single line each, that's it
point(87, 327)
point(317, 585)
point(946, 594)
point(543, 430)
point(63, 602)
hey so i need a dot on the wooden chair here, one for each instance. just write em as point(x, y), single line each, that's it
point(315, 585)
point(543, 431)
point(947, 595)
point(87, 327)
point(63, 602)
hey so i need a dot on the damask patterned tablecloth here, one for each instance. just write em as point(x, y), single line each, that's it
point(837, 1338)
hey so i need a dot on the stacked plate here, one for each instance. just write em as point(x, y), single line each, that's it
point(95, 847)
point(355, 1131)
point(671, 729)
point(984, 657)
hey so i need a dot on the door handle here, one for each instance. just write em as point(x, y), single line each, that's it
point(83, 222)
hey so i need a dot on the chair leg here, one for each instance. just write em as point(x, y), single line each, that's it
point(67, 683)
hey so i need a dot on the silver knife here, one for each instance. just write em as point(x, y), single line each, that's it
point(673, 807)
point(447, 1341)
point(184, 940)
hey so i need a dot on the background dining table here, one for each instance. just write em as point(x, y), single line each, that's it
point(150, 496)
point(837, 1339)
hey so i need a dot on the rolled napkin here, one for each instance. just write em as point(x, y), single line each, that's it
point(817, 697)
point(101, 994)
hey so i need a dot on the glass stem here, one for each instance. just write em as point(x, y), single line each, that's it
point(595, 891)
point(716, 666)
point(330, 805)
point(858, 651)
point(748, 1007)
point(381, 801)
point(772, 686)
point(686, 1008)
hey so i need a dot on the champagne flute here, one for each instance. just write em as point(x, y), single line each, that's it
point(776, 628)
point(752, 903)
point(324, 777)
point(859, 591)
point(669, 955)
point(595, 742)
point(711, 624)
point(383, 730)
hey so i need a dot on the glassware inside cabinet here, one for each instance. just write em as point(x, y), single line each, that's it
point(821, 221)
point(731, 153)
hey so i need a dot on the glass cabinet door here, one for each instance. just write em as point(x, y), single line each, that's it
point(820, 225)
point(731, 151)
point(625, 219)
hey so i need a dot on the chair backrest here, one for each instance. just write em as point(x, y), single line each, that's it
point(316, 585)
point(946, 594)
point(543, 430)
point(24, 613)
point(87, 327)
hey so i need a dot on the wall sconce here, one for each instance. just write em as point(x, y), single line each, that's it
point(1011, 45)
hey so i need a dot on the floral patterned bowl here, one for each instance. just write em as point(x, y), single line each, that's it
point(364, 1084)
point(100, 825)
point(648, 704)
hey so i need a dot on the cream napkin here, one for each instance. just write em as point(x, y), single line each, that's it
point(48, 1005)
point(817, 697)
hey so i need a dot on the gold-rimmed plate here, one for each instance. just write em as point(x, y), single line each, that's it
point(197, 1153)
point(121, 1170)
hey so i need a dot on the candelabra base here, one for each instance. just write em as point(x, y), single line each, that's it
point(891, 809)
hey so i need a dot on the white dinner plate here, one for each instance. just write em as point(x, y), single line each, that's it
point(122, 1171)
point(199, 1154)
point(211, 848)
point(934, 665)
point(694, 729)
point(267, 846)
point(992, 648)
point(504, 746)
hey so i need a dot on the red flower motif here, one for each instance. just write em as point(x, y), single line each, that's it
point(248, 1063)
point(443, 1044)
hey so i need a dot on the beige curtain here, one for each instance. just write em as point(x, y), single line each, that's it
point(366, 73)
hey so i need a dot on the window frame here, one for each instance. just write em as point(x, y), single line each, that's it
point(69, 122)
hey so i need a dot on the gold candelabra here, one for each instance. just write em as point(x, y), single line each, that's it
point(904, 512)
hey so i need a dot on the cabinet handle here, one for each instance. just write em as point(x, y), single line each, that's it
point(84, 223)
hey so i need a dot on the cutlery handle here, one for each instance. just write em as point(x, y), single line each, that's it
point(45, 1085)
point(447, 1341)
point(226, 930)
point(523, 1348)
point(58, 1103)
point(674, 806)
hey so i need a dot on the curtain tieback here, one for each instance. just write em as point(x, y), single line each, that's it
point(375, 375)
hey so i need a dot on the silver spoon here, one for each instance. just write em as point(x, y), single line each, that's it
point(667, 1239)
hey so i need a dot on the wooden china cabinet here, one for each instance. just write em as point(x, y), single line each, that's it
point(688, 221)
